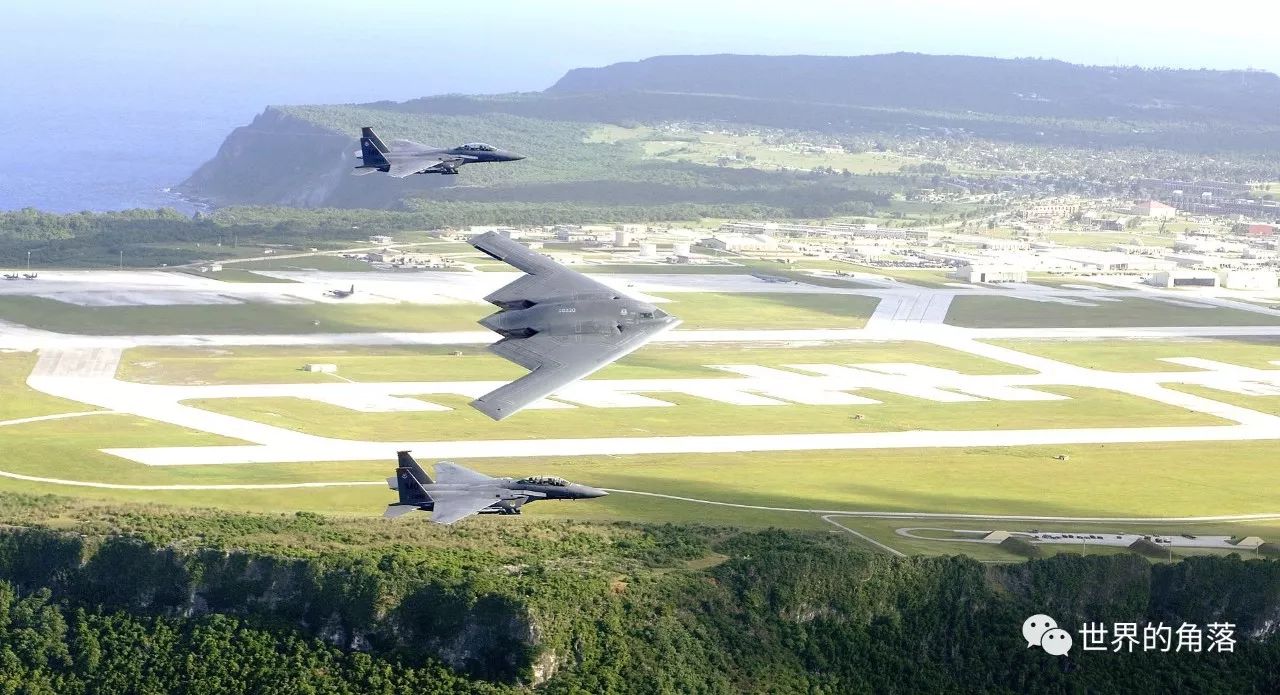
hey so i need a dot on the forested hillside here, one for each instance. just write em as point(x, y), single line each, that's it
point(302, 155)
point(183, 601)
point(1021, 87)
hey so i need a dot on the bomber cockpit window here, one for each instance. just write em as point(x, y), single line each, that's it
point(479, 146)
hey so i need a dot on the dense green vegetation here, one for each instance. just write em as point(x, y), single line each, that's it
point(300, 156)
point(150, 238)
point(1020, 87)
point(146, 600)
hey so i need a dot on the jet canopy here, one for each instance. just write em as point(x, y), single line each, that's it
point(544, 480)
point(478, 147)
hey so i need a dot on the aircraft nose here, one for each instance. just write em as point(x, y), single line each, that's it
point(513, 157)
point(593, 492)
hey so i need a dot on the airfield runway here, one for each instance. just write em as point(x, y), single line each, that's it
point(82, 368)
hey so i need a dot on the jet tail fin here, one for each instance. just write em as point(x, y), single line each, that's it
point(410, 477)
point(367, 132)
point(372, 150)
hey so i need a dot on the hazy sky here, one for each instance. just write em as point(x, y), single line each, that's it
point(310, 50)
point(125, 97)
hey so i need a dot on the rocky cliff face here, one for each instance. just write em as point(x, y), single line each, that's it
point(350, 606)
point(280, 159)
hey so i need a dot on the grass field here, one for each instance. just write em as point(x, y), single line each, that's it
point(1263, 404)
point(275, 365)
point(1103, 480)
point(698, 309)
point(923, 277)
point(746, 151)
point(17, 401)
point(1054, 280)
point(254, 319)
point(1111, 480)
point(1009, 312)
point(750, 310)
point(1105, 240)
point(240, 275)
point(316, 262)
point(691, 415)
point(1136, 355)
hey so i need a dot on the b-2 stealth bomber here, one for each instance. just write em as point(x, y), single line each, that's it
point(407, 158)
point(457, 492)
point(558, 323)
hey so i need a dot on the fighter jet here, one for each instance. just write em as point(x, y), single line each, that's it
point(9, 276)
point(458, 492)
point(410, 157)
point(558, 323)
point(340, 294)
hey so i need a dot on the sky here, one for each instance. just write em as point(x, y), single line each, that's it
point(310, 50)
point(156, 84)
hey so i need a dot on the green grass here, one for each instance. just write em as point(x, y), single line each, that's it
point(1174, 479)
point(661, 269)
point(275, 365)
point(1100, 480)
point(1264, 404)
point(1007, 312)
point(316, 262)
point(935, 278)
point(18, 401)
point(60, 317)
point(691, 415)
point(239, 275)
point(1105, 240)
point(1139, 355)
point(698, 309)
point(770, 310)
point(1055, 280)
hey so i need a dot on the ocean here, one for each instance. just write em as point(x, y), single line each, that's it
point(113, 156)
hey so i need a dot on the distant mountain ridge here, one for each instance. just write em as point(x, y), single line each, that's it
point(301, 155)
point(1025, 86)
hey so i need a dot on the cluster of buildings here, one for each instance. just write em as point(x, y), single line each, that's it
point(1219, 198)
point(1246, 259)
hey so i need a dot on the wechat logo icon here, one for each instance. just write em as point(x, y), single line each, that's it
point(1042, 631)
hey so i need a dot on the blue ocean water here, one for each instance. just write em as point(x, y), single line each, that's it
point(113, 156)
point(107, 105)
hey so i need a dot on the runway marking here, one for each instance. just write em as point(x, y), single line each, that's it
point(63, 416)
point(123, 486)
point(892, 551)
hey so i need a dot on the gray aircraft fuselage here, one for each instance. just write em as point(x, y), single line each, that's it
point(510, 494)
point(404, 157)
point(472, 155)
point(603, 315)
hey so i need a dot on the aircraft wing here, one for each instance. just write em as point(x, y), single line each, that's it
point(401, 169)
point(557, 361)
point(452, 474)
point(396, 511)
point(544, 279)
point(452, 506)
